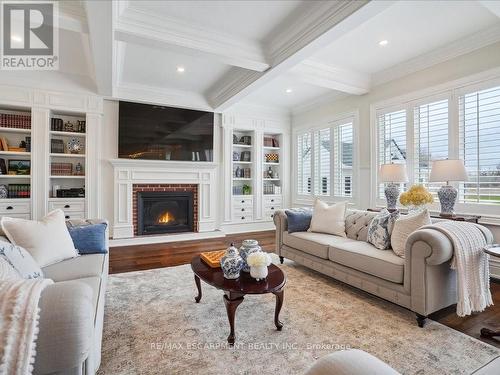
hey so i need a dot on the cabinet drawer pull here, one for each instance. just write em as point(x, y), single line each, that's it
point(66, 217)
point(243, 218)
point(9, 208)
point(243, 201)
point(67, 206)
point(242, 209)
point(272, 208)
point(272, 200)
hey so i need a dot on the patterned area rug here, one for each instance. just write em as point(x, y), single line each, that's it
point(153, 326)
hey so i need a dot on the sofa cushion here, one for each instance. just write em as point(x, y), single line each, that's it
point(20, 260)
point(77, 268)
point(299, 219)
point(365, 257)
point(357, 223)
point(328, 219)
point(316, 244)
point(89, 239)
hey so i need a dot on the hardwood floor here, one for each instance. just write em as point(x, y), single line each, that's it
point(142, 257)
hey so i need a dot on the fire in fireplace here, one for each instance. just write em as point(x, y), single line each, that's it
point(164, 212)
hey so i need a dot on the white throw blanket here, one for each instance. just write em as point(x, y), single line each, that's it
point(471, 263)
point(19, 315)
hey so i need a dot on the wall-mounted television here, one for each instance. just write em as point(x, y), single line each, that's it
point(164, 133)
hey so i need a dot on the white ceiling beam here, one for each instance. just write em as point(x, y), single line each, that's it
point(332, 77)
point(100, 21)
point(324, 23)
point(145, 28)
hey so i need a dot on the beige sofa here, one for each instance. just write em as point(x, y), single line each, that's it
point(422, 281)
point(72, 314)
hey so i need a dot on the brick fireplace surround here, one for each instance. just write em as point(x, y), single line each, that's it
point(165, 188)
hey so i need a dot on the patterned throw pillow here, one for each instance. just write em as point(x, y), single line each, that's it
point(20, 260)
point(380, 229)
point(7, 272)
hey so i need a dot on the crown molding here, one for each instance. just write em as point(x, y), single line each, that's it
point(146, 28)
point(452, 50)
point(332, 77)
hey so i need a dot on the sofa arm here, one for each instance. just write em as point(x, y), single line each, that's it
point(429, 244)
point(65, 327)
point(281, 222)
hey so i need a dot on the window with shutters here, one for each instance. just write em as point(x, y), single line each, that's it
point(479, 128)
point(391, 128)
point(304, 170)
point(322, 146)
point(343, 159)
point(430, 140)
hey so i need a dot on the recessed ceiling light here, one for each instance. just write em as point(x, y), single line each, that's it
point(16, 38)
point(383, 42)
point(180, 69)
point(288, 91)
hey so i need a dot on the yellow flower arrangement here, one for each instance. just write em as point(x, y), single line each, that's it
point(417, 195)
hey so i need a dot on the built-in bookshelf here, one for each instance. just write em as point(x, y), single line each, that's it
point(271, 166)
point(67, 155)
point(15, 159)
point(243, 163)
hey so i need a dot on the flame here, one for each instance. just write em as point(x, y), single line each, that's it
point(165, 218)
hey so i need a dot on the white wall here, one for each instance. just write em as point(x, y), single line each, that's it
point(467, 65)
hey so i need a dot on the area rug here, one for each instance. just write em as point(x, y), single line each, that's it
point(153, 326)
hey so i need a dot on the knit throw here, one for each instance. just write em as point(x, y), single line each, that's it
point(19, 315)
point(471, 263)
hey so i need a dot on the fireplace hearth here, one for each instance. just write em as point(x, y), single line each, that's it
point(160, 212)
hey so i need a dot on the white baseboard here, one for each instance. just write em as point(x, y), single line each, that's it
point(247, 227)
point(145, 240)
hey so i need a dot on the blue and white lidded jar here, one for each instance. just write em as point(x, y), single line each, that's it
point(231, 263)
point(248, 247)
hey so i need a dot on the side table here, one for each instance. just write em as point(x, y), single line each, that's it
point(486, 332)
point(467, 218)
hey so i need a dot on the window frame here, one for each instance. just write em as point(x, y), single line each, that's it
point(451, 91)
point(307, 199)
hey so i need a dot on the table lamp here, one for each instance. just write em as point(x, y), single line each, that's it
point(445, 171)
point(393, 175)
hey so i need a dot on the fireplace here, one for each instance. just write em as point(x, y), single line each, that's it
point(165, 212)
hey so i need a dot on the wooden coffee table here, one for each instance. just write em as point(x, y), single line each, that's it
point(486, 332)
point(235, 290)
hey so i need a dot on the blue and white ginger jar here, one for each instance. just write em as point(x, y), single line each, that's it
point(248, 247)
point(231, 263)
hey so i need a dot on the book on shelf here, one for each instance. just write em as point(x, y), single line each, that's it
point(57, 146)
point(3, 166)
point(3, 144)
point(61, 169)
point(15, 121)
point(271, 142)
point(19, 190)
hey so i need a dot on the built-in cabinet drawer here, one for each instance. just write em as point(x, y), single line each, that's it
point(67, 206)
point(11, 208)
point(242, 202)
point(74, 215)
point(274, 199)
point(18, 216)
point(243, 218)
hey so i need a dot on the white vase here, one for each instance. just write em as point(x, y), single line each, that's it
point(258, 272)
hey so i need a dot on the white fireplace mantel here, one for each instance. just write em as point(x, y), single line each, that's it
point(128, 172)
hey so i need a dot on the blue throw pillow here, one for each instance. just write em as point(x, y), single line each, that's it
point(299, 219)
point(89, 239)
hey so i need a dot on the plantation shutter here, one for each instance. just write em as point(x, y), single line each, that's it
point(304, 151)
point(343, 160)
point(479, 126)
point(391, 129)
point(322, 157)
point(430, 140)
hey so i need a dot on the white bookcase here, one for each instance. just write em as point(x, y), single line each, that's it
point(255, 172)
point(42, 106)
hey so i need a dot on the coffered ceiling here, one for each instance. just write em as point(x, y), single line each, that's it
point(214, 54)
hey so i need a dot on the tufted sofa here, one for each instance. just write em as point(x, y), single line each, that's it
point(422, 281)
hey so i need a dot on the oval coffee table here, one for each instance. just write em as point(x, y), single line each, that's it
point(486, 332)
point(235, 290)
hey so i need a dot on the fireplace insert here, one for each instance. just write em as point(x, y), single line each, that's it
point(164, 212)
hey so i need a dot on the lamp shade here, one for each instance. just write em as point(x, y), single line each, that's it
point(393, 173)
point(448, 170)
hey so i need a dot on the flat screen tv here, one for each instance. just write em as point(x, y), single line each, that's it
point(164, 133)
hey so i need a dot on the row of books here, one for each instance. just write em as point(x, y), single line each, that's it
point(271, 142)
point(61, 169)
point(15, 121)
point(19, 190)
point(272, 189)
